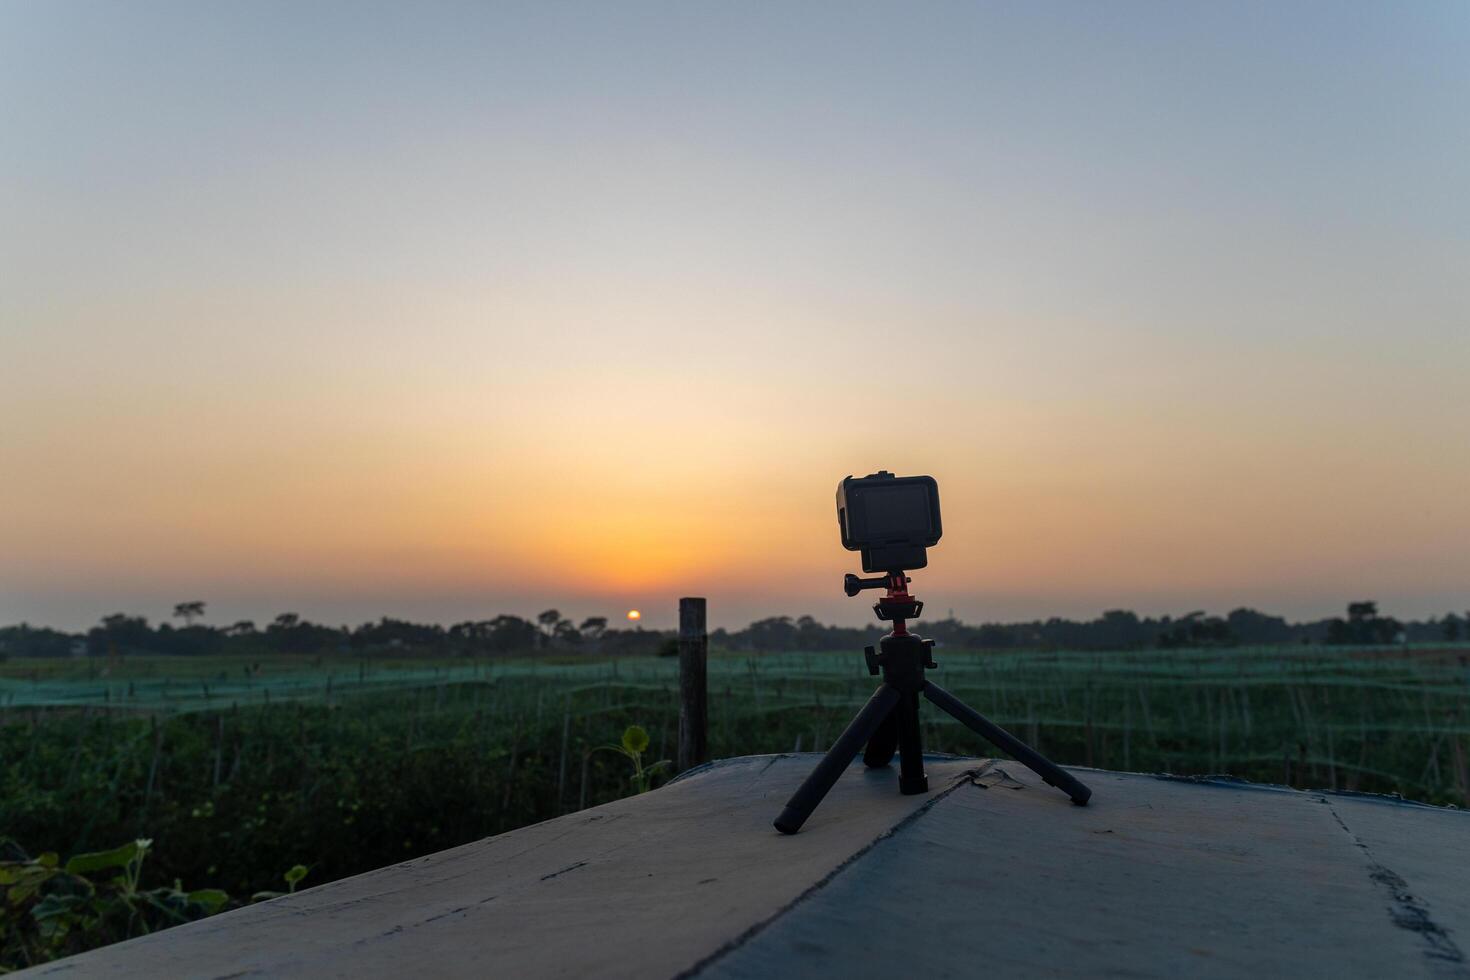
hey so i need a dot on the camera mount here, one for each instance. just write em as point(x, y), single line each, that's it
point(897, 605)
point(889, 722)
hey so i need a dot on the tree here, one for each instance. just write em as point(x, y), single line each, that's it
point(468, 636)
point(188, 610)
point(1451, 627)
point(120, 632)
point(506, 634)
point(593, 626)
point(1120, 629)
point(773, 634)
point(289, 633)
point(1250, 626)
point(809, 633)
point(1364, 625)
point(548, 621)
point(244, 627)
point(994, 635)
point(30, 641)
point(398, 634)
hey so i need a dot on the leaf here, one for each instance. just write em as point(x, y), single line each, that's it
point(55, 905)
point(57, 915)
point(19, 893)
point(27, 875)
point(24, 872)
point(635, 739)
point(295, 874)
point(212, 899)
point(48, 859)
point(118, 857)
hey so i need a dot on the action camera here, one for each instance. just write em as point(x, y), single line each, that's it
point(890, 519)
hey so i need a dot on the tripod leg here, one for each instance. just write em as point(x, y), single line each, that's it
point(1006, 742)
point(858, 731)
point(883, 743)
point(911, 778)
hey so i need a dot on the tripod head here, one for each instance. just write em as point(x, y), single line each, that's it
point(896, 605)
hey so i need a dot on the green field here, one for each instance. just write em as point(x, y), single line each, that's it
point(241, 769)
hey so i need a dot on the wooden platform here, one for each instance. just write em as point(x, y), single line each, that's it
point(991, 874)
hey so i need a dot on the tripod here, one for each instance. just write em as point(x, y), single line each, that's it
point(890, 719)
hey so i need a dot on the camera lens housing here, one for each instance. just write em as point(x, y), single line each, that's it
point(890, 519)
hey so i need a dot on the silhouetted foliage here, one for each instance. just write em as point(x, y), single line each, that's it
point(25, 640)
point(1116, 629)
point(1364, 626)
point(397, 634)
point(549, 632)
point(188, 611)
point(1249, 626)
point(509, 634)
point(1198, 630)
point(291, 634)
point(120, 634)
point(593, 627)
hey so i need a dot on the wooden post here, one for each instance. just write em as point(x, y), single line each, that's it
point(693, 686)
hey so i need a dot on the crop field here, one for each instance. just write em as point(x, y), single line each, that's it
point(238, 771)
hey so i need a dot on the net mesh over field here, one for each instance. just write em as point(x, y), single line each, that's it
point(1388, 719)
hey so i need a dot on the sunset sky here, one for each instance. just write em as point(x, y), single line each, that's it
point(440, 311)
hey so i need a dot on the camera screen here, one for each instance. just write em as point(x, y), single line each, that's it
point(897, 512)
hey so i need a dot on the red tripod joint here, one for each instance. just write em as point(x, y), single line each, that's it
point(897, 605)
point(898, 586)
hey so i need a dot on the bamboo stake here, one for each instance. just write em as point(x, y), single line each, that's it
point(561, 771)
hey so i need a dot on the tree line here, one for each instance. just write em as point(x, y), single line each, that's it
point(121, 634)
point(1117, 629)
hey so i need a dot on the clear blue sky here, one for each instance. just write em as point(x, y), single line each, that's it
point(342, 308)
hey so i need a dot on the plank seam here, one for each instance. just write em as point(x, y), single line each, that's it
point(962, 779)
point(1407, 910)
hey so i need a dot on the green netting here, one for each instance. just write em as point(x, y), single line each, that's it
point(1384, 718)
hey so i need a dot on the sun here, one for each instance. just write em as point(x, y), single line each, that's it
point(634, 614)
